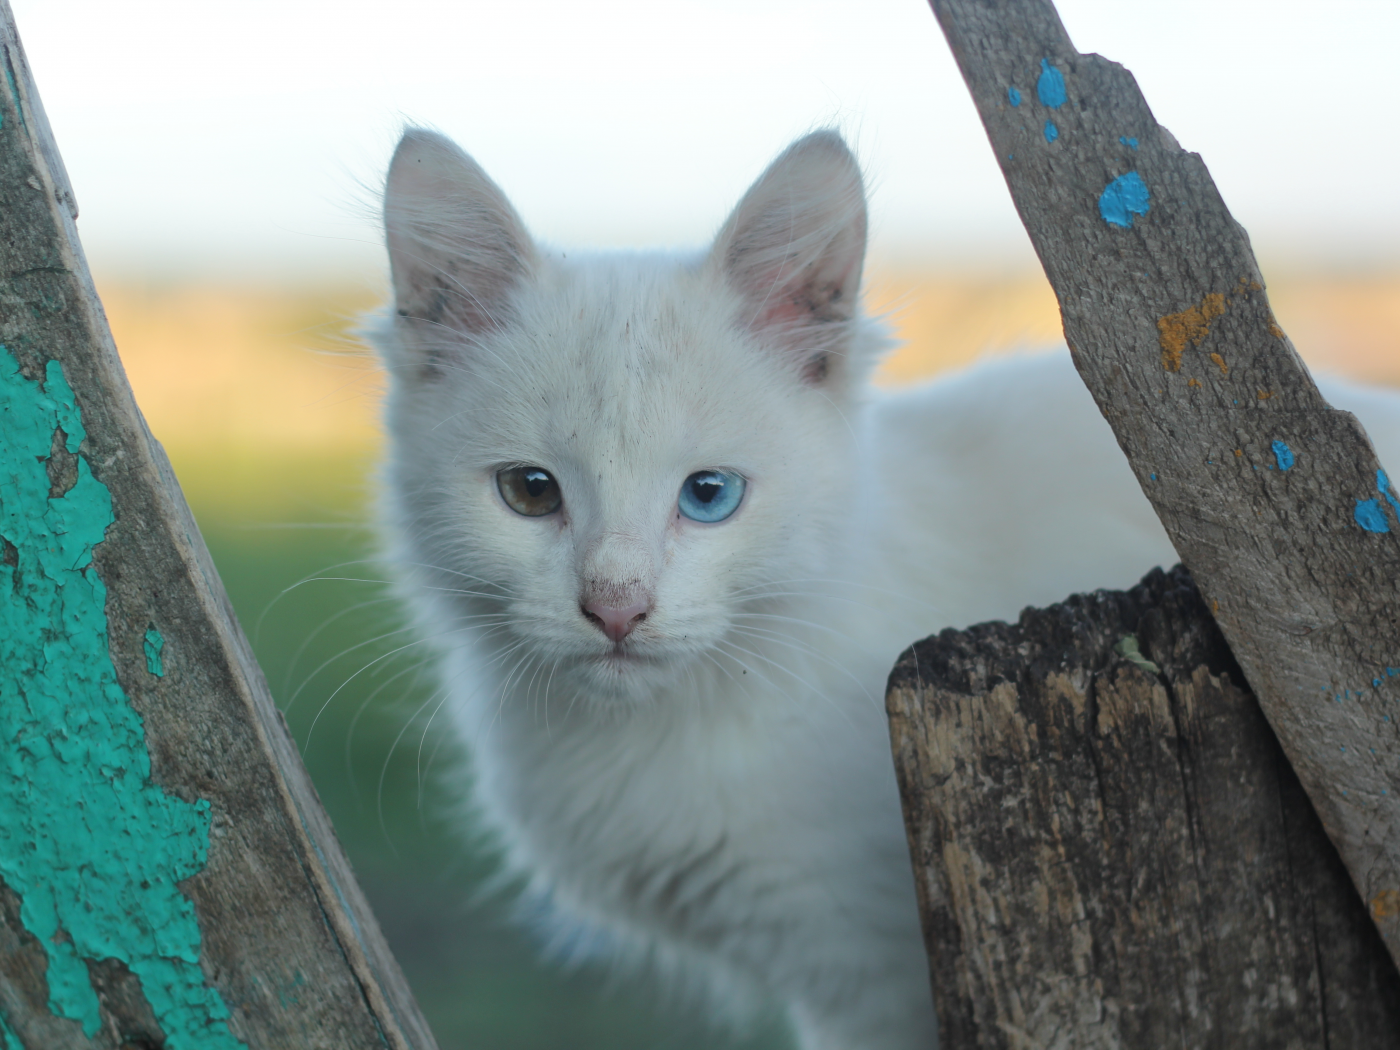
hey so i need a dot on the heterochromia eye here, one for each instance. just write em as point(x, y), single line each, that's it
point(711, 495)
point(529, 491)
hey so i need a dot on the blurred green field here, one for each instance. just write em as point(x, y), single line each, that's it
point(288, 554)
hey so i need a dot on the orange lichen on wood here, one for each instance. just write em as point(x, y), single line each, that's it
point(1190, 325)
point(1193, 381)
point(1220, 363)
point(1264, 395)
point(1385, 904)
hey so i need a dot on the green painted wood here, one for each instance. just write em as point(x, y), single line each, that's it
point(168, 877)
point(1274, 499)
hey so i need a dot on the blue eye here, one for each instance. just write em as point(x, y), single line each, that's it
point(711, 495)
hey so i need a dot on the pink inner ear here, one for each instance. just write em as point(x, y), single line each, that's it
point(780, 310)
point(790, 302)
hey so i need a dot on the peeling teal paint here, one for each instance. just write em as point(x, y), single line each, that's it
point(94, 849)
point(66, 408)
point(153, 644)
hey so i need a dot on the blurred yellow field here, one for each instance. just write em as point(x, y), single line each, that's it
point(264, 373)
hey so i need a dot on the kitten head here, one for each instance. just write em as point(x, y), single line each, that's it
point(595, 464)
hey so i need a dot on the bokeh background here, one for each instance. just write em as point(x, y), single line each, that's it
point(227, 157)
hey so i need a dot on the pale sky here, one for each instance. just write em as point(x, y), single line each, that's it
point(248, 138)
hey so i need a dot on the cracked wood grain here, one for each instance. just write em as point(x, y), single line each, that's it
point(1110, 848)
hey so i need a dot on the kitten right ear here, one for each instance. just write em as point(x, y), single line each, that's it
point(793, 249)
point(457, 249)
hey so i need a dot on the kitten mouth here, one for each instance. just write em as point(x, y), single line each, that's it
point(620, 656)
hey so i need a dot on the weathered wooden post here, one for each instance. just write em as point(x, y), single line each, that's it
point(1274, 500)
point(168, 877)
point(1112, 851)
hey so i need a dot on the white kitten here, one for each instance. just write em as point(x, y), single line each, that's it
point(670, 545)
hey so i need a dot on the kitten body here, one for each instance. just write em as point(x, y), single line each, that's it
point(714, 789)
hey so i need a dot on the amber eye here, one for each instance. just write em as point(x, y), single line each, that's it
point(529, 490)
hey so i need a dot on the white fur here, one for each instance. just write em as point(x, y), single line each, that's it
point(717, 793)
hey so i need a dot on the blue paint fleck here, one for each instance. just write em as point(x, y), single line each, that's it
point(1370, 517)
point(1390, 672)
point(1152, 476)
point(1013, 96)
point(1283, 454)
point(70, 420)
point(1129, 142)
point(1051, 132)
point(1124, 197)
point(1375, 681)
point(1342, 746)
point(1051, 86)
point(1383, 484)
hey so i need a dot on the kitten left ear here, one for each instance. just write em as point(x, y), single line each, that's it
point(457, 249)
point(794, 248)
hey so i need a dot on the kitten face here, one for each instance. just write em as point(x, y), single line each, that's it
point(620, 378)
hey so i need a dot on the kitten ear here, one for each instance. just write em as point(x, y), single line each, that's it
point(456, 247)
point(793, 250)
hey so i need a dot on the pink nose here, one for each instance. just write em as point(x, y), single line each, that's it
point(616, 623)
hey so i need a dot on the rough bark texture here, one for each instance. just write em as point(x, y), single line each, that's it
point(285, 942)
point(1110, 847)
point(1274, 499)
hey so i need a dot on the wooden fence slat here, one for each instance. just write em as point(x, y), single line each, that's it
point(167, 874)
point(1111, 850)
point(1274, 499)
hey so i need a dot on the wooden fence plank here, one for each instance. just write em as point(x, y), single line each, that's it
point(1111, 849)
point(1274, 499)
point(167, 874)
